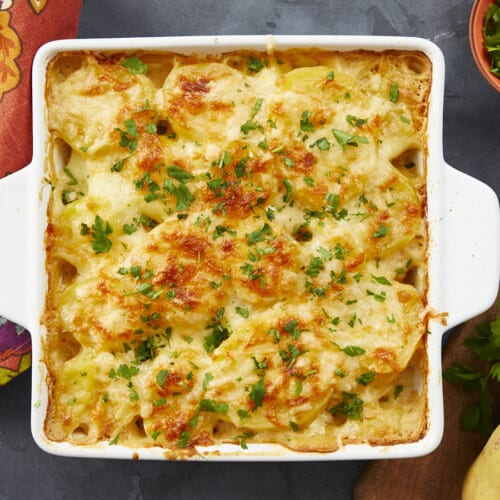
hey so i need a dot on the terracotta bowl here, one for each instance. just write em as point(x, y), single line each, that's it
point(476, 40)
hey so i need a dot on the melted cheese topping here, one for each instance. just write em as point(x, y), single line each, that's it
point(236, 249)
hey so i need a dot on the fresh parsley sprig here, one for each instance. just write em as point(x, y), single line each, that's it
point(478, 417)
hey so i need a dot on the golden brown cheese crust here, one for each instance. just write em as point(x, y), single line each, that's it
point(236, 249)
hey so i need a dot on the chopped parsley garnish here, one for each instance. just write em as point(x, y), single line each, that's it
point(220, 331)
point(323, 144)
point(145, 350)
point(340, 252)
point(305, 123)
point(129, 136)
point(179, 174)
point(382, 280)
point(397, 391)
point(380, 297)
point(346, 139)
point(218, 184)
point(243, 414)
point(248, 126)
point(309, 180)
point(161, 377)
point(394, 93)
point(129, 228)
point(240, 168)
point(114, 440)
point(242, 439)
point(225, 159)
point(100, 230)
point(73, 181)
point(350, 407)
point(242, 311)
point(302, 233)
point(275, 334)
point(211, 406)
point(289, 189)
point(292, 328)
point(355, 121)
point(206, 380)
point(259, 234)
point(253, 274)
point(257, 106)
point(183, 441)
point(366, 378)
point(290, 357)
point(382, 230)
point(352, 350)
point(124, 371)
point(257, 393)
point(315, 267)
point(254, 64)
point(135, 66)
point(118, 165)
point(221, 230)
point(183, 196)
point(69, 196)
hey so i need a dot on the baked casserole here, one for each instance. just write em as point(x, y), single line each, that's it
point(237, 249)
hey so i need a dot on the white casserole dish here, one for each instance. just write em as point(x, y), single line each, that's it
point(463, 218)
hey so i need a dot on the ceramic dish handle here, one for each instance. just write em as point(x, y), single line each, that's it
point(471, 237)
point(14, 245)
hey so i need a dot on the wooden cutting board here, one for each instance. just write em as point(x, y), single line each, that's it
point(440, 475)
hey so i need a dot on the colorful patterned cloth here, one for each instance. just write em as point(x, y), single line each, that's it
point(25, 25)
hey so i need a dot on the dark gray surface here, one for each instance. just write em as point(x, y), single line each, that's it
point(471, 144)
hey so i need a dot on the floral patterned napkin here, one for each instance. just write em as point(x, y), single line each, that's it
point(25, 25)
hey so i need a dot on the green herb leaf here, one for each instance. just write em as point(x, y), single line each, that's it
point(183, 441)
point(135, 66)
point(289, 189)
point(292, 328)
point(323, 144)
point(220, 332)
point(366, 378)
point(355, 121)
point(248, 126)
point(242, 311)
point(145, 350)
point(290, 357)
point(350, 407)
point(211, 406)
point(394, 93)
point(315, 267)
point(100, 231)
point(114, 440)
point(161, 377)
point(179, 174)
point(73, 181)
point(258, 393)
point(382, 230)
point(259, 234)
point(346, 139)
point(257, 106)
point(305, 123)
point(353, 350)
point(254, 64)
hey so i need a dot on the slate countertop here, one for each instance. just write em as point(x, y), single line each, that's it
point(471, 144)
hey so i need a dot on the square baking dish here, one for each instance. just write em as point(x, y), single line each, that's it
point(464, 242)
